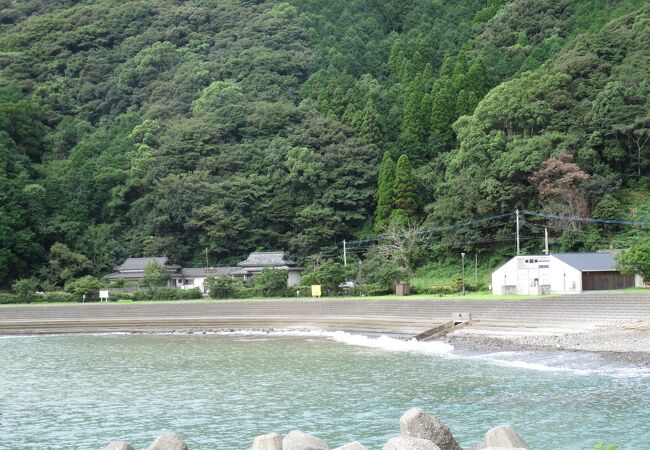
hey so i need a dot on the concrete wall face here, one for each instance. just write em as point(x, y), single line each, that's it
point(638, 280)
point(566, 279)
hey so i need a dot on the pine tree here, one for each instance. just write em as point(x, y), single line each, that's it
point(404, 195)
point(384, 192)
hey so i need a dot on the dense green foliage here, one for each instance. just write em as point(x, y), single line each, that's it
point(222, 287)
point(636, 260)
point(163, 127)
point(155, 275)
point(329, 275)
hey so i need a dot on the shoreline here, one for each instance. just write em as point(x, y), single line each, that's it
point(626, 342)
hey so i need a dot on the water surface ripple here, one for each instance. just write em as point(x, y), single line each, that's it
point(218, 392)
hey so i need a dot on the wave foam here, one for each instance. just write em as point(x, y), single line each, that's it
point(381, 342)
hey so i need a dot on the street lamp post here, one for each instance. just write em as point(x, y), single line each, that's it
point(463, 258)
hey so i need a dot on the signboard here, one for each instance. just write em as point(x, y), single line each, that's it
point(315, 290)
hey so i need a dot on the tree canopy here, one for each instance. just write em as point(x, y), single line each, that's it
point(164, 128)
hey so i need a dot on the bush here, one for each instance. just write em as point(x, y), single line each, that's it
point(166, 294)
point(375, 289)
point(155, 275)
point(7, 299)
point(25, 288)
point(248, 292)
point(377, 275)
point(57, 297)
point(88, 286)
point(272, 282)
point(223, 286)
point(329, 275)
point(434, 290)
point(48, 297)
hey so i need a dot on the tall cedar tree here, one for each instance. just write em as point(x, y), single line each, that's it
point(385, 188)
point(443, 112)
point(404, 195)
point(370, 130)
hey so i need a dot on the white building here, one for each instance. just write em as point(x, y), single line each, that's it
point(561, 273)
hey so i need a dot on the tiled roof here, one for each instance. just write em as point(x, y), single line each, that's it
point(142, 263)
point(203, 272)
point(266, 259)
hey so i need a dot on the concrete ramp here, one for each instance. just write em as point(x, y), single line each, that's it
point(439, 330)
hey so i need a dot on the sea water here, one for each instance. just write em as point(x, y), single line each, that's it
point(220, 391)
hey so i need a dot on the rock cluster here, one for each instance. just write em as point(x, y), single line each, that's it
point(162, 442)
point(418, 431)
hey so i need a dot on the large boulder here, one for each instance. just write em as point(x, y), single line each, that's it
point(504, 436)
point(168, 442)
point(271, 441)
point(417, 423)
point(297, 440)
point(352, 446)
point(119, 445)
point(403, 442)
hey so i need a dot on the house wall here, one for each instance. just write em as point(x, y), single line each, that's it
point(294, 278)
point(195, 282)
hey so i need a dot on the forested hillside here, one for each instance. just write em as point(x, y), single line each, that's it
point(165, 127)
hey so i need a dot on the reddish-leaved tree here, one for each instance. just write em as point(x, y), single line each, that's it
point(558, 182)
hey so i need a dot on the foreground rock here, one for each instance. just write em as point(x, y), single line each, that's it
point(119, 445)
point(504, 436)
point(352, 446)
point(297, 440)
point(417, 423)
point(409, 443)
point(168, 442)
point(271, 441)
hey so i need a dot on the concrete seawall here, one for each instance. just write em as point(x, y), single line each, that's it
point(394, 315)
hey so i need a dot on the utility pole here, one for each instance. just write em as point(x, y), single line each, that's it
point(476, 269)
point(545, 241)
point(517, 212)
point(207, 264)
point(345, 253)
point(463, 257)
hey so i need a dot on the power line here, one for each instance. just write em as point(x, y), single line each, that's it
point(586, 219)
point(436, 229)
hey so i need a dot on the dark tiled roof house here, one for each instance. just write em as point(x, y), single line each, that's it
point(193, 277)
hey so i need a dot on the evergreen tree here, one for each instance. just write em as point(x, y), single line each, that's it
point(404, 195)
point(466, 102)
point(476, 79)
point(385, 192)
point(443, 110)
point(412, 123)
point(447, 66)
point(370, 129)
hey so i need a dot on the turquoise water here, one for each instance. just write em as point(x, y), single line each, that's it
point(218, 392)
